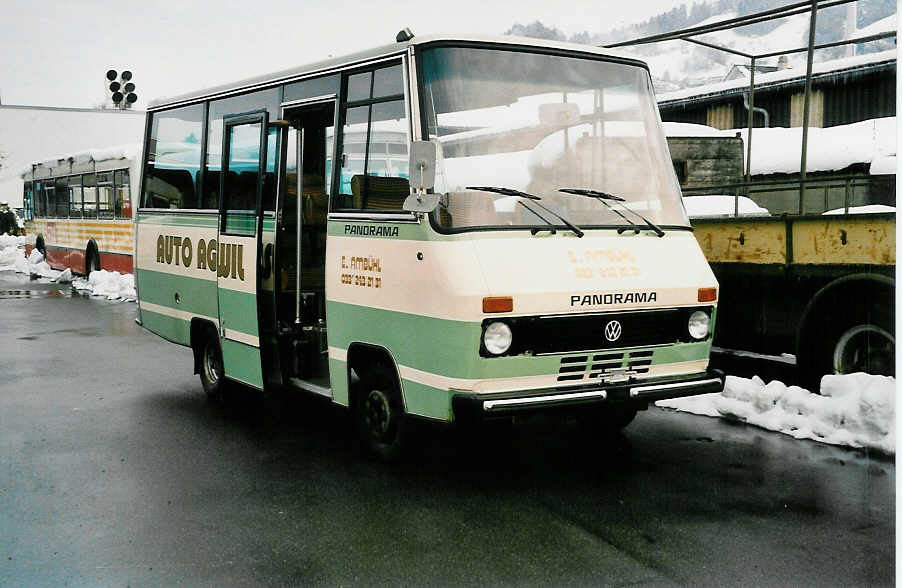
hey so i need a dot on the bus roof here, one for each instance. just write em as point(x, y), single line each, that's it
point(345, 61)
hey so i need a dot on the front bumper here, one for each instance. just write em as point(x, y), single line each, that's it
point(470, 406)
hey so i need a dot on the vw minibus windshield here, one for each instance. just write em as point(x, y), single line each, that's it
point(537, 123)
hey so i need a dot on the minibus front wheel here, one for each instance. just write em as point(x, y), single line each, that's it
point(379, 414)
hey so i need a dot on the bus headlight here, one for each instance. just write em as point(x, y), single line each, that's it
point(497, 338)
point(699, 324)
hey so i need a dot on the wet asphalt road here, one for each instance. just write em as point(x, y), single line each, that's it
point(115, 470)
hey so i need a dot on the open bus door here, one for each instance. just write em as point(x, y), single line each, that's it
point(241, 225)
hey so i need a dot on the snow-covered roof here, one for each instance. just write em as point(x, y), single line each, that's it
point(325, 66)
point(783, 76)
point(779, 149)
point(129, 151)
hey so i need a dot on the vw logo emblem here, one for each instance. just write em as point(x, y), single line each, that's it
point(612, 331)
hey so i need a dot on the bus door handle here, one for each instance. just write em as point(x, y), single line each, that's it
point(266, 267)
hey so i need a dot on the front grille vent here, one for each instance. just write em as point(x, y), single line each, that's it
point(590, 367)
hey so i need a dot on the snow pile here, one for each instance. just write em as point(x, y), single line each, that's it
point(855, 410)
point(36, 266)
point(721, 205)
point(112, 285)
point(11, 251)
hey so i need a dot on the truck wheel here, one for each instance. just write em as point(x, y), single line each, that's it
point(862, 341)
point(379, 414)
point(211, 370)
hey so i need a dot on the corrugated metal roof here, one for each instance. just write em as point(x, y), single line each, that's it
point(820, 71)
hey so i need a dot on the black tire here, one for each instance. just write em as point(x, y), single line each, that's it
point(379, 414)
point(846, 341)
point(39, 245)
point(211, 366)
point(92, 261)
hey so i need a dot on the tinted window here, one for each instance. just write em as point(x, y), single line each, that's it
point(40, 200)
point(123, 200)
point(374, 157)
point(264, 99)
point(242, 170)
point(359, 86)
point(28, 200)
point(61, 193)
point(105, 191)
point(312, 88)
point(75, 202)
point(388, 81)
point(173, 158)
point(89, 189)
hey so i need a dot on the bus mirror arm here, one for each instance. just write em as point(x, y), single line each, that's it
point(422, 166)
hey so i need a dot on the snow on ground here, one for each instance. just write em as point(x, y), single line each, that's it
point(112, 285)
point(855, 410)
point(721, 205)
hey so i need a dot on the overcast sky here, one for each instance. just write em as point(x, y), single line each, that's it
point(56, 52)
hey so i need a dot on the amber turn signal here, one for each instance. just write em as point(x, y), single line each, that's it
point(497, 304)
point(707, 294)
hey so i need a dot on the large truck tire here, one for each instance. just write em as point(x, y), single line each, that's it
point(847, 340)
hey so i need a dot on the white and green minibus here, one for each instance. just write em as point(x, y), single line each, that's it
point(447, 228)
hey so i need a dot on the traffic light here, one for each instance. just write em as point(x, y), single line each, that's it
point(122, 91)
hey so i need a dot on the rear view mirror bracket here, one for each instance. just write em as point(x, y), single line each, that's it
point(422, 177)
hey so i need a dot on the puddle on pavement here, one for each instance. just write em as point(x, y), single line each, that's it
point(43, 293)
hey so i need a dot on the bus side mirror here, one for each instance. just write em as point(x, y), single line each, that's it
point(422, 177)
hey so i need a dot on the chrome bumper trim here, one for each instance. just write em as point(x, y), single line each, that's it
point(638, 390)
point(490, 405)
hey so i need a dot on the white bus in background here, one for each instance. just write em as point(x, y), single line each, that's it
point(79, 211)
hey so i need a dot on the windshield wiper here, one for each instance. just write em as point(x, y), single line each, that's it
point(504, 191)
point(603, 197)
point(534, 230)
point(511, 192)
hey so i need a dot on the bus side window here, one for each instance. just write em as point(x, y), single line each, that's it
point(373, 173)
point(105, 191)
point(172, 163)
point(123, 199)
point(89, 189)
point(75, 201)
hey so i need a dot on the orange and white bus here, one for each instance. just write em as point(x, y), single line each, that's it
point(78, 210)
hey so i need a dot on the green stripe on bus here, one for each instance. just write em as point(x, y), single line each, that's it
point(426, 401)
point(239, 311)
point(173, 329)
point(240, 224)
point(338, 377)
point(196, 295)
point(242, 362)
point(178, 220)
point(451, 348)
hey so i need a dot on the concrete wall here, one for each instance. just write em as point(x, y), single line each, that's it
point(706, 161)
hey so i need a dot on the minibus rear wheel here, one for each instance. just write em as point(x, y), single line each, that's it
point(211, 370)
point(379, 414)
